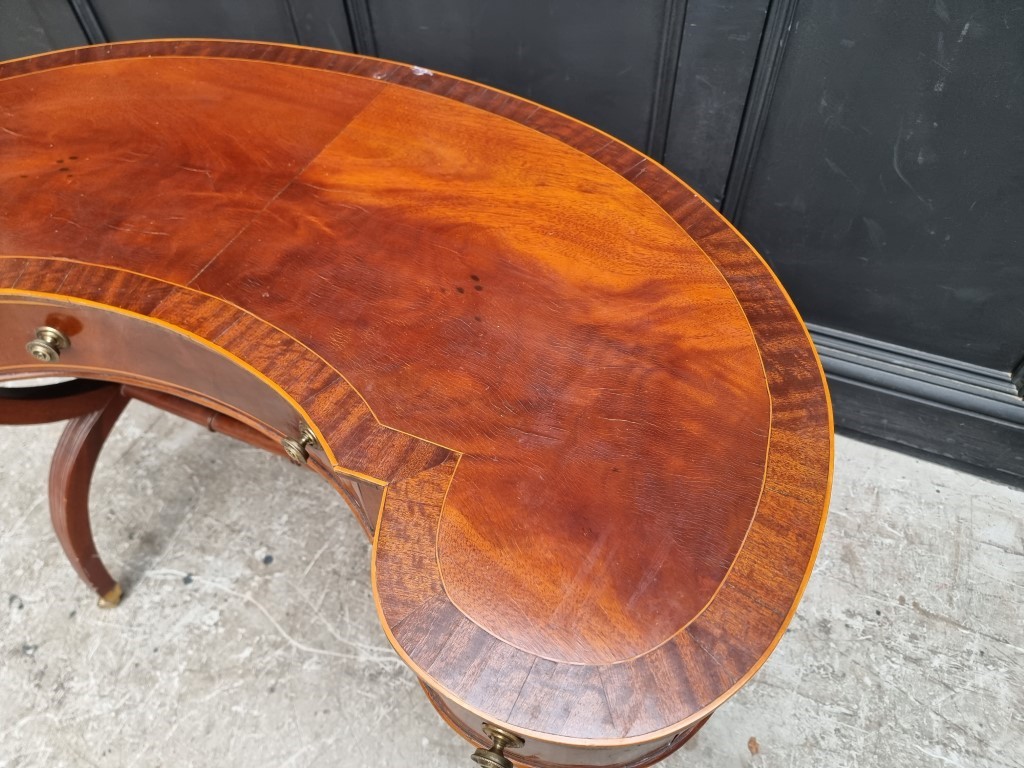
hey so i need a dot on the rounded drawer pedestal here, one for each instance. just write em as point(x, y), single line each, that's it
point(538, 753)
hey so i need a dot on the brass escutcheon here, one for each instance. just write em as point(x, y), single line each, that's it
point(297, 449)
point(500, 741)
point(48, 344)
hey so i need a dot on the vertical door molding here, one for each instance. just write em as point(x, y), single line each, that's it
point(776, 36)
point(89, 21)
point(671, 46)
point(364, 39)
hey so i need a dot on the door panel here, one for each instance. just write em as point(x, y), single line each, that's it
point(888, 189)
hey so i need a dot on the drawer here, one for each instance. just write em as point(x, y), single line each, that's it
point(541, 753)
point(124, 347)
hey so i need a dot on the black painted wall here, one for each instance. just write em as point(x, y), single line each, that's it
point(33, 26)
point(607, 71)
point(873, 152)
point(893, 156)
point(716, 61)
point(881, 173)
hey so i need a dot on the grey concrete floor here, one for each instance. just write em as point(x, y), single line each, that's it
point(249, 636)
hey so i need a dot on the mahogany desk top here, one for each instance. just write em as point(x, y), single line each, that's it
point(601, 431)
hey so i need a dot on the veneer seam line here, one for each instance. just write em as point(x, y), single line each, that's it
point(205, 342)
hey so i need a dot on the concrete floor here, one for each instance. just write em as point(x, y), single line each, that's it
point(249, 636)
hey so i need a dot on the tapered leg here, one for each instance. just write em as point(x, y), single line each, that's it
point(70, 476)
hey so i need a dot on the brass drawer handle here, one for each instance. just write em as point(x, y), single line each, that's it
point(48, 344)
point(500, 741)
point(297, 449)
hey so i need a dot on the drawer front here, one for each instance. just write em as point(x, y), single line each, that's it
point(123, 347)
point(549, 754)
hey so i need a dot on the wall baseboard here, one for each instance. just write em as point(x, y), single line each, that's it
point(943, 409)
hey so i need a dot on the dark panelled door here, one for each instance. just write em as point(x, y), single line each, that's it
point(888, 191)
point(886, 188)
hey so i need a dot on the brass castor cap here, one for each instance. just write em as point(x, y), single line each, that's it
point(112, 598)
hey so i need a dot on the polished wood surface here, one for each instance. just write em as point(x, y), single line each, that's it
point(70, 476)
point(52, 402)
point(603, 432)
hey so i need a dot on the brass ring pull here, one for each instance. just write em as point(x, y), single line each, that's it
point(48, 344)
point(500, 741)
point(297, 449)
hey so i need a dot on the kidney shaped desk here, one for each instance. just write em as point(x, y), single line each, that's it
point(575, 411)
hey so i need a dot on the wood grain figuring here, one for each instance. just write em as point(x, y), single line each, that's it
point(637, 756)
point(199, 174)
point(536, 310)
point(603, 431)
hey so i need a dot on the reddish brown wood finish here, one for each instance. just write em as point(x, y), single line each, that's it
point(53, 402)
point(362, 497)
point(603, 432)
point(203, 416)
point(545, 755)
point(70, 476)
